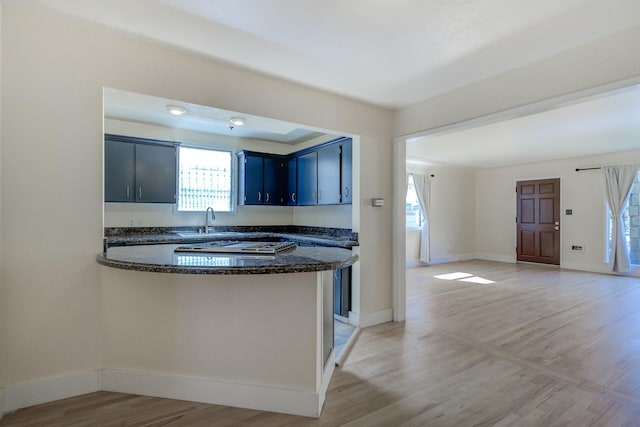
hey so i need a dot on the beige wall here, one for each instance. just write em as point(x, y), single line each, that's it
point(54, 70)
point(583, 192)
point(452, 217)
point(188, 325)
point(2, 291)
point(601, 62)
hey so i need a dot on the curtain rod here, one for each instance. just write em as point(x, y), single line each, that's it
point(587, 169)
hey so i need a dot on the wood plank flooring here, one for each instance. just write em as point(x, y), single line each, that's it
point(537, 347)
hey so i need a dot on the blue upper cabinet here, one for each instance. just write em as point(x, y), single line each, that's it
point(251, 191)
point(260, 179)
point(329, 175)
point(318, 175)
point(273, 179)
point(291, 194)
point(119, 171)
point(155, 173)
point(346, 178)
point(307, 177)
point(139, 170)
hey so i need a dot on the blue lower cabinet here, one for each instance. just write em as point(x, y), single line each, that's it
point(342, 291)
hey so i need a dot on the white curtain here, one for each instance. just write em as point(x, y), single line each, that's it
point(618, 181)
point(423, 190)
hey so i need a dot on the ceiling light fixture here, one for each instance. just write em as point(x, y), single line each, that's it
point(176, 110)
point(237, 121)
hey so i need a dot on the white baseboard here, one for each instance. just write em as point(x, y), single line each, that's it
point(250, 396)
point(364, 320)
point(592, 268)
point(31, 393)
point(326, 378)
point(452, 258)
point(496, 257)
point(347, 347)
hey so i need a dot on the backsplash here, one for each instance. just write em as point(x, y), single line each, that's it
point(294, 229)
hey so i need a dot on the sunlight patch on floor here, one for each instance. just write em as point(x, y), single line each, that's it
point(453, 276)
point(464, 277)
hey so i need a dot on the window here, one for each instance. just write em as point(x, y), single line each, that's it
point(413, 211)
point(205, 180)
point(631, 219)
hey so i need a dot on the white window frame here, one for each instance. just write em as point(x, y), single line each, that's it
point(233, 188)
point(421, 220)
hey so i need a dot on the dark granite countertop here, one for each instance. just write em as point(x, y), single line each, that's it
point(161, 258)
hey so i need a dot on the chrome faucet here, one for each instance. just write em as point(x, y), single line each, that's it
point(206, 218)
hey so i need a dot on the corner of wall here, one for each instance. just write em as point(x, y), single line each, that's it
point(1, 296)
point(1, 403)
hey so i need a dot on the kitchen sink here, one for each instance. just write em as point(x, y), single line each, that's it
point(198, 234)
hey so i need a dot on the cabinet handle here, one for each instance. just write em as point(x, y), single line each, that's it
point(319, 194)
point(140, 192)
point(266, 199)
point(128, 191)
point(313, 195)
point(259, 196)
point(346, 190)
point(293, 197)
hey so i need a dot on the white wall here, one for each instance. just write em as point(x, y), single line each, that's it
point(54, 71)
point(452, 218)
point(583, 192)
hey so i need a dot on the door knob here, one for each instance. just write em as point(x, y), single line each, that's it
point(557, 223)
point(556, 228)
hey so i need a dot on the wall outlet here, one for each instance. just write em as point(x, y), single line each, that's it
point(577, 248)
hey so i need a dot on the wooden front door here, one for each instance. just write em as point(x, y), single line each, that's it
point(539, 221)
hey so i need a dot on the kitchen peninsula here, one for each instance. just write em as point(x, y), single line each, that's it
point(252, 331)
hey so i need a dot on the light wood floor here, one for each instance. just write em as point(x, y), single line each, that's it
point(539, 347)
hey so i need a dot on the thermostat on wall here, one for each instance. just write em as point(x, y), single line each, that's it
point(377, 202)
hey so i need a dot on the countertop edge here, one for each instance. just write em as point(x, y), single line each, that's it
point(275, 269)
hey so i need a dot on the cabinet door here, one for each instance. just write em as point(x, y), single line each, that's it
point(253, 180)
point(329, 175)
point(155, 173)
point(291, 193)
point(273, 180)
point(307, 175)
point(119, 171)
point(346, 173)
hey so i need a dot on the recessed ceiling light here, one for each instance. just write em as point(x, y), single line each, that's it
point(176, 110)
point(237, 121)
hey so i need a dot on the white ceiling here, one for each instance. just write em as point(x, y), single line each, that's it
point(387, 52)
point(601, 124)
point(124, 105)
point(391, 53)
